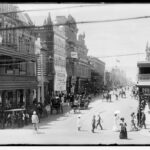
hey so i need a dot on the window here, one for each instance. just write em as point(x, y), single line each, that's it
point(6, 34)
point(9, 37)
point(19, 43)
point(22, 68)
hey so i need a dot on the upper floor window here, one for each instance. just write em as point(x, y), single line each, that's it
point(144, 70)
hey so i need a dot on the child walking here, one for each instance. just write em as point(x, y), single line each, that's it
point(35, 121)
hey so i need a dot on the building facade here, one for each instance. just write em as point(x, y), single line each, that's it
point(17, 60)
point(41, 69)
point(78, 70)
point(60, 78)
point(55, 58)
point(97, 73)
point(83, 70)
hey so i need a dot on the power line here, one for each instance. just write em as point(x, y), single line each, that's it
point(50, 9)
point(78, 22)
point(121, 55)
point(92, 56)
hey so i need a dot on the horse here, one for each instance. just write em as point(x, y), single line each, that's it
point(56, 105)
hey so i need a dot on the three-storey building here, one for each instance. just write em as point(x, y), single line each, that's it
point(17, 59)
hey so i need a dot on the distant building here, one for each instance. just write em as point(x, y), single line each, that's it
point(97, 72)
point(83, 70)
point(17, 60)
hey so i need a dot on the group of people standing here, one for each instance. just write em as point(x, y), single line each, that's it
point(117, 92)
point(96, 122)
point(138, 120)
point(119, 125)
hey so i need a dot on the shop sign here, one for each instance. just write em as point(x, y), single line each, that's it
point(60, 79)
point(74, 55)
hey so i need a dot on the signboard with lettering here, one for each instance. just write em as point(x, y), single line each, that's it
point(74, 55)
point(60, 79)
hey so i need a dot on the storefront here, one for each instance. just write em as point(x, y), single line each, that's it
point(144, 95)
point(17, 91)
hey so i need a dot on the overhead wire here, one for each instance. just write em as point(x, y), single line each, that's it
point(93, 56)
point(78, 22)
point(50, 9)
point(121, 55)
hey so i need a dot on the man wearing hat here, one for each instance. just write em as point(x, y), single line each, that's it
point(143, 119)
point(93, 123)
point(99, 120)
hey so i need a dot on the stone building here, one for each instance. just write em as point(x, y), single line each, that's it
point(78, 71)
point(97, 73)
point(83, 70)
point(55, 41)
point(17, 59)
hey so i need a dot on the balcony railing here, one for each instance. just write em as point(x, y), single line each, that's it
point(144, 76)
point(17, 78)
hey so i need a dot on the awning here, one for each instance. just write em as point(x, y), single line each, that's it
point(143, 64)
point(143, 83)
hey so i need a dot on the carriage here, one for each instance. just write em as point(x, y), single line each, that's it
point(84, 103)
point(56, 105)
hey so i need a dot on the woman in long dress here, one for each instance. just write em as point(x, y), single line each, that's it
point(116, 123)
point(123, 131)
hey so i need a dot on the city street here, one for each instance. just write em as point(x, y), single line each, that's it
point(61, 129)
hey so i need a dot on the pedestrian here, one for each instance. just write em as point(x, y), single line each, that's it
point(23, 119)
point(123, 130)
point(99, 121)
point(27, 118)
point(143, 119)
point(133, 122)
point(79, 122)
point(116, 122)
point(139, 114)
point(93, 123)
point(35, 121)
point(62, 103)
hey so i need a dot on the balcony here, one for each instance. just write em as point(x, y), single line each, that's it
point(9, 82)
point(17, 78)
point(144, 77)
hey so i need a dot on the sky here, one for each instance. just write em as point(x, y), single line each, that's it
point(109, 38)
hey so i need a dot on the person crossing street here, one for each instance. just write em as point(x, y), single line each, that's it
point(93, 123)
point(99, 121)
point(35, 121)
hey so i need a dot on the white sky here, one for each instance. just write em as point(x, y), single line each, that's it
point(103, 39)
